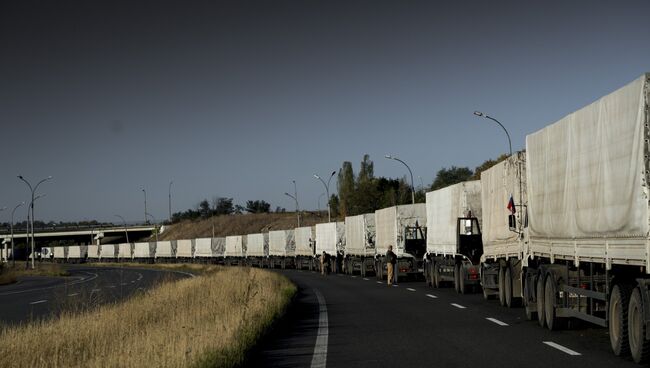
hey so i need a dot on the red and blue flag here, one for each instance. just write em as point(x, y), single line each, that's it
point(511, 205)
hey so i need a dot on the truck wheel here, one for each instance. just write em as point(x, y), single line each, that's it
point(507, 277)
point(461, 278)
point(436, 276)
point(539, 289)
point(530, 315)
point(618, 308)
point(553, 322)
point(639, 346)
point(457, 278)
point(502, 284)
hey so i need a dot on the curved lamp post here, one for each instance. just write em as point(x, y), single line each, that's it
point(327, 191)
point(31, 206)
point(410, 172)
point(295, 198)
point(145, 206)
point(480, 114)
point(154, 224)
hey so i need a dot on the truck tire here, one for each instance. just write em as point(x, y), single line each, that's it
point(507, 277)
point(502, 285)
point(457, 278)
point(553, 322)
point(639, 346)
point(461, 278)
point(539, 290)
point(436, 276)
point(618, 307)
point(530, 315)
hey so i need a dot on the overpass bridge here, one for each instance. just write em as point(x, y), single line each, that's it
point(83, 236)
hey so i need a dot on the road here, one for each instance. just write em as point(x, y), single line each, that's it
point(362, 323)
point(41, 297)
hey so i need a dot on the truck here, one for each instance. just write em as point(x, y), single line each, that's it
point(281, 248)
point(404, 228)
point(330, 239)
point(454, 246)
point(185, 249)
point(235, 250)
point(144, 251)
point(588, 233)
point(165, 250)
point(257, 252)
point(209, 249)
point(107, 252)
point(360, 244)
point(124, 252)
point(305, 242)
point(503, 204)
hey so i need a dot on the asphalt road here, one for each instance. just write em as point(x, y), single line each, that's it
point(362, 323)
point(42, 297)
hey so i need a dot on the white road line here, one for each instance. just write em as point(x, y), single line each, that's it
point(55, 286)
point(74, 294)
point(561, 348)
point(458, 306)
point(410, 289)
point(354, 277)
point(319, 359)
point(380, 282)
point(365, 279)
point(500, 323)
point(38, 302)
point(431, 296)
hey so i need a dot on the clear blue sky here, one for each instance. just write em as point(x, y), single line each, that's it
point(239, 98)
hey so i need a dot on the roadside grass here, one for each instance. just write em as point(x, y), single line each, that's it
point(211, 320)
point(194, 268)
point(9, 274)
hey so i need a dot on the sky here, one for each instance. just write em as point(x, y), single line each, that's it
point(239, 98)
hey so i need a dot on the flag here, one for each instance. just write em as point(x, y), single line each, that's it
point(511, 205)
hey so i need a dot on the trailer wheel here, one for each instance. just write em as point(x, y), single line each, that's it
point(553, 322)
point(530, 315)
point(539, 289)
point(502, 284)
point(436, 276)
point(639, 346)
point(457, 278)
point(461, 278)
point(507, 277)
point(618, 308)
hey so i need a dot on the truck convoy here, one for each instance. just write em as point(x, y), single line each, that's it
point(281, 248)
point(257, 251)
point(562, 228)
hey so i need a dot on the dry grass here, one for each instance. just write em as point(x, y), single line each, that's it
point(239, 224)
point(207, 321)
point(10, 275)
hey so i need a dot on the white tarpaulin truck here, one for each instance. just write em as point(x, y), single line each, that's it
point(281, 248)
point(588, 219)
point(403, 228)
point(360, 244)
point(107, 252)
point(165, 250)
point(257, 251)
point(305, 242)
point(330, 238)
point(185, 248)
point(503, 203)
point(454, 244)
point(124, 251)
point(235, 250)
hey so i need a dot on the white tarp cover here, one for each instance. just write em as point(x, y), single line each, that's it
point(74, 252)
point(203, 247)
point(444, 207)
point(107, 251)
point(234, 246)
point(256, 245)
point(184, 248)
point(360, 235)
point(330, 237)
point(93, 251)
point(281, 243)
point(164, 249)
point(124, 250)
point(498, 183)
point(141, 250)
point(218, 246)
point(391, 223)
point(59, 252)
point(586, 172)
point(305, 237)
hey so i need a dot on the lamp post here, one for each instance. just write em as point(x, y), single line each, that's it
point(31, 206)
point(319, 197)
point(327, 191)
point(125, 231)
point(5, 250)
point(480, 114)
point(154, 224)
point(13, 253)
point(297, 207)
point(145, 206)
point(170, 201)
point(410, 172)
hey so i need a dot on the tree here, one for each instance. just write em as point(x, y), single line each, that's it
point(204, 209)
point(446, 177)
point(334, 204)
point(486, 165)
point(223, 206)
point(258, 206)
point(346, 189)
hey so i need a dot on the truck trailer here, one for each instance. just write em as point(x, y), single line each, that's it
point(305, 242)
point(235, 252)
point(257, 251)
point(360, 244)
point(330, 239)
point(281, 248)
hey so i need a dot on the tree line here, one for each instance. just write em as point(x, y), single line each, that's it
point(223, 206)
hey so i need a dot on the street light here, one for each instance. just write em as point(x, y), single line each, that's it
point(327, 191)
point(154, 224)
point(480, 114)
point(410, 172)
point(145, 205)
point(125, 231)
point(297, 207)
point(13, 253)
point(319, 197)
point(31, 206)
point(170, 200)
point(5, 252)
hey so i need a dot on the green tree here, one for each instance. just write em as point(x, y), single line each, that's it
point(486, 165)
point(446, 177)
point(204, 209)
point(258, 206)
point(346, 189)
point(334, 205)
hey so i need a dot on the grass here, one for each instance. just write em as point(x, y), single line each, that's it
point(10, 275)
point(211, 320)
point(193, 268)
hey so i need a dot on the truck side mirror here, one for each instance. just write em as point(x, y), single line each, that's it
point(512, 222)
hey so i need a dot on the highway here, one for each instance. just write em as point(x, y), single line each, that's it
point(362, 323)
point(41, 297)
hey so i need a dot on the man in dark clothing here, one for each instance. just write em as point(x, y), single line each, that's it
point(391, 261)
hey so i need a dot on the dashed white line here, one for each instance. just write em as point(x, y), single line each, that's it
point(561, 348)
point(38, 302)
point(379, 282)
point(410, 289)
point(458, 306)
point(354, 277)
point(73, 294)
point(319, 359)
point(500, 323)
point(365, 279)
point(431, 296)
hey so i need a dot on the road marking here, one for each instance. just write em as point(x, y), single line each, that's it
point(561, 348)
point(38, 302)
point(380, 282)
point(500, 323)
point(431, 296)
point(410, 289)
point(133, 282)
point(365, 279)
point(458, 306)
point(74, 294)
point(55, 286)
point(354, 277)
point(319, 359)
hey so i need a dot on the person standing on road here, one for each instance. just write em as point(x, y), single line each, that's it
point(322, 263)
point(391, 260)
